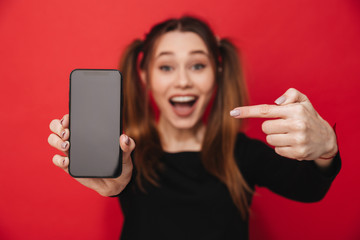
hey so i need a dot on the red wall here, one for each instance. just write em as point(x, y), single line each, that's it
point(310, 45)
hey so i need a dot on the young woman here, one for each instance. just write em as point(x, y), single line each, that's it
point(192, 174)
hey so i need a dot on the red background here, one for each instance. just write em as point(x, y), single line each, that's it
point(310, 45)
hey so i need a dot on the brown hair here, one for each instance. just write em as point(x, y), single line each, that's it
point(218, 146)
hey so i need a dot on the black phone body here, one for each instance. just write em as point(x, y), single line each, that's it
point(95, 108)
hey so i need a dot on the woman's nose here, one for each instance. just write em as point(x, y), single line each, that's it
point(183, 79)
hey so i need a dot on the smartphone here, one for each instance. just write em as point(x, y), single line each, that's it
point(95, 107)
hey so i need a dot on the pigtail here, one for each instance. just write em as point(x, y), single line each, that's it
point(222, 129)
point(231, 70)
point(233, 88)
point(138, 117)
point(131, 87)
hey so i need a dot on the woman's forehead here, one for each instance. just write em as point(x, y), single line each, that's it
point(179, 43)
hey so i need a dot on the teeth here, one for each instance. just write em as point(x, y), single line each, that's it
point(183, 99)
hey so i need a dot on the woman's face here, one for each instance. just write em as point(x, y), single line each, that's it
point(181, 78)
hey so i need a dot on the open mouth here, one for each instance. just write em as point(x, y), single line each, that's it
point(183, 105)
point(183, 100)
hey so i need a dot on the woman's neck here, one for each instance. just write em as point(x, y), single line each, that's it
point(180, 140)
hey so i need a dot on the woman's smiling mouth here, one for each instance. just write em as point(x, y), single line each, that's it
point(183, 105)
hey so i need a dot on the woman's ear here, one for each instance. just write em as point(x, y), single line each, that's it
point(143, 77)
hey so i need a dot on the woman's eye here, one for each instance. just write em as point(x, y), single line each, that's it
point(198, 66)
point(165, 68)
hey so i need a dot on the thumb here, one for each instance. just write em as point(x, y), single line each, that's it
point(291, 96)
point(127, 145)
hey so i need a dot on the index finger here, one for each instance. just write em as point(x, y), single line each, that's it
point(260, 111)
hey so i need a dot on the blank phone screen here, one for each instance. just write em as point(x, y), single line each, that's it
point(95, 123)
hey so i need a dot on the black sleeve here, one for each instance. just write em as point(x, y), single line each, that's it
point(118, 195)
point(297, 180)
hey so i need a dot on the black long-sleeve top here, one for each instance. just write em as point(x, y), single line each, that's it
point(192, 204)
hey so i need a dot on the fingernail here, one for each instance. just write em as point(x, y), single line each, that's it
point(235, 113)
point(65, 159)
point(280, 100)
point(64, 145)
point(63, 134)
point(61, 121)
point(127, 140)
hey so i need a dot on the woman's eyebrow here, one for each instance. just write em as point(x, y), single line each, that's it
point(199, 52)
point(164, 53)
point(191, 53)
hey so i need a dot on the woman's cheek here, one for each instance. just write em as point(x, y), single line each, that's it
point(206, 78)
point(207, 84)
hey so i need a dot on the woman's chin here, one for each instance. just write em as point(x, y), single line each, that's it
point(185, 124)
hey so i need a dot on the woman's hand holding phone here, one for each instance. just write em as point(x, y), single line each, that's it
point(104, 186)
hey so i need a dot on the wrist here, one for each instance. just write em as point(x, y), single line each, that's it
point(333, 146)
point(330, 155)
point(325, 161)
